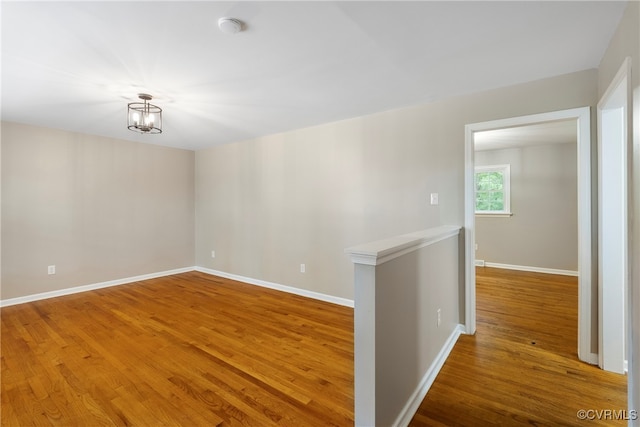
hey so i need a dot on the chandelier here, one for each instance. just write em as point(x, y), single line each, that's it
point(144, 117)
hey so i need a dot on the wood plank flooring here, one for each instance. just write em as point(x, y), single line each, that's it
point(184, 350)
point(521, 367)
point(197, 350)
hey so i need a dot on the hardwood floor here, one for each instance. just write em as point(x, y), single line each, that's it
point(190, 350)
point(521, 367)
point(197, 350)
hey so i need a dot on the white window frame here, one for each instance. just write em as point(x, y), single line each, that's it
point(506, 189)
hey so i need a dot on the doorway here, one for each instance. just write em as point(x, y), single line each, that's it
point(526, 198)
point(585, 250)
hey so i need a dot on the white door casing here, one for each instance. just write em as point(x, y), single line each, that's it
point(613, 220)
point(585, 252)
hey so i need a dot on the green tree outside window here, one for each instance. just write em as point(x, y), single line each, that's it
point(492, 188)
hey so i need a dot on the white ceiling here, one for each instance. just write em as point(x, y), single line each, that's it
point(75, 65)
point(546, 133)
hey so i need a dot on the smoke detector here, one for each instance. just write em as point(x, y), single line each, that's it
point(230, 25)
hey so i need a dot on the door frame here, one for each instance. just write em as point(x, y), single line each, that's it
point(613, 295)
point(582, 116)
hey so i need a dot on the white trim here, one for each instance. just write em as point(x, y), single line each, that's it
point(480, 263)
point(91, 287)
point(85, 288)
point(469, 231)
point(412, 405)
point(585, 256)
point(283, 288)
point(532, 269)
point(494, 214)
point(613, 221)
point(381, 251)
point(592, 359)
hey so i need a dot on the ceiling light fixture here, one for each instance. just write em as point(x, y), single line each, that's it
point(144, 117)
point(230, 25)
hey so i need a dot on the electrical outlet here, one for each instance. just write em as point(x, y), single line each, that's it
point(439, 317)
point(303, 268)
point(51, 269)
point(213, 254)
point(434, 198)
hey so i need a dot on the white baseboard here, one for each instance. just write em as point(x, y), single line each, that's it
point(480, 263)
point(532, 269)
point(289, 289)
point(91, 287)
point(257, 282)
point(412, 405)
point(595, 360)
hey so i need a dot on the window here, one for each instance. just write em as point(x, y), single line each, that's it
point(493, 190)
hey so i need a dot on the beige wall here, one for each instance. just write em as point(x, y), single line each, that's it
point(99, 209)
point(543, 231)
point(409, 291)
point(269, 204)
point(626, 43)
point(102, 209)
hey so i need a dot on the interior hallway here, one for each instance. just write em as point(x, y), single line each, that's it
point(521, 367)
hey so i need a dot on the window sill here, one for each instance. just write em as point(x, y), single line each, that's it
point(494, 214)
